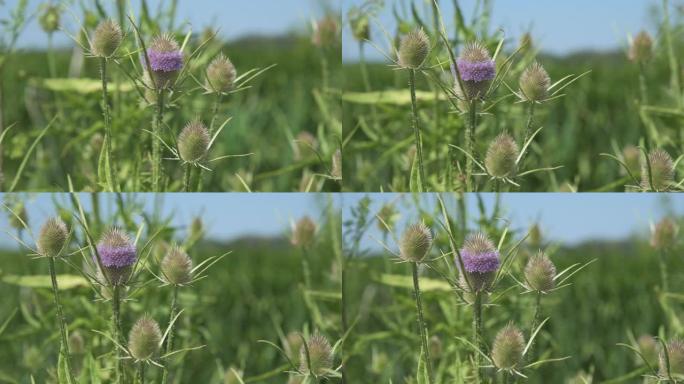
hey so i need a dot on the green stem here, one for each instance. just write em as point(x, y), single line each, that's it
point(169, 339)
point(664, 280)
point(416, 128)
point(156, 142)
point(477, 332)
point(51, 57)
point(528, 127)
point(535, 324)
point(674, 63)
point(325, 72)
point(366, 83)
point(141, 372)
point(421, 323)
point(470, 144)
point(186, 177)
point(61, 320)
point(116, 331)
point(215, 111)
point(305, 268)
point(2, 121)
point(110, 175)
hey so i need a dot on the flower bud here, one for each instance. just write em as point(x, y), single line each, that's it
point(193, 142)
point(649, 349)
point(118, 255)
point(661, 171)
point(221, 74)
point(414, 49)
point(326, 33)
point(303, 232)
point(675, 356)
point(480, 260)
point(509, 344)
point(415, 243)
point(388, 214)
point(144, 339)
point(502, 156)
point(535, 237)
point(166, 60)
point(50, 18)
point(196, 228)
point(664, 234)
point(535, 83)
point(106, 39)
point(477, 70)
point(320, 358)
point(360, 28)
point(176, 266)
point(641, 49)
point(52, 238)
point(540, 273)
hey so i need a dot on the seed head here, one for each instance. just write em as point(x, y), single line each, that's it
point(320, 360)
point(176, 266)
point(641, 49)
point(106, 39)
point(326, 33)
point(648, 348)
point(50, 18)
point(477, 70)
point(540, 273)
point(415, 243)
point(414, 49)
point(664, 234)
point(502, 156)
point(52, 238)
point(144, 339)
point(534, 83)
point(221, 74)
point(118, 255)
point(662, 171)
point(166, 60)
point(360, 27)
point(509, 344)
point(193, 142)
point(304, 232)
point(631, 155)
point(480, 260)
point(675, 356)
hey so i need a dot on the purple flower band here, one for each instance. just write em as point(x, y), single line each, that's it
point(165, 61)
point(117, 257)
point(476, 71)
point(481, 262)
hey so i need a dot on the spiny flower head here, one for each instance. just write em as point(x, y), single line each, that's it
point(320, 360)
point(326, 32)
point(477, 70)
point(144, 339)
point(415, 243)
point(414, 48)
point(664, 234)
point(106, 39)
point(480, 260)
point(641, 49)
point(540, 273)
point(534, 83)
point(193, 142)
point(50, 18)
point(221, 74)
point(166, 60)
point(661, 171)
point(176, 266)
point(117, 254)
point(52, 237)
point(675, 356)
point(502, 156)
point(509, 344)
point(303, 232)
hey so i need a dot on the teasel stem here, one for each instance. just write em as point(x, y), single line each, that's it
point(416, 128)
point(366, 81)
point(325, 72)
point(421, 323)
point(61, 320)
point(156, 144)
point(116, 331)
point(664, 279)
point(169, 339)
point(674, 63)
point(51, 57)
point(108, 128)
point(470, 144)
point(535, 324)
point(186, 177)
point(306, 271)
point(477, 332)
point(141, 373)
point(2, 122)
point(529, 126)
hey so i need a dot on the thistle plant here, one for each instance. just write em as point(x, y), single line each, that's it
point(144, 342)
point(303, 237)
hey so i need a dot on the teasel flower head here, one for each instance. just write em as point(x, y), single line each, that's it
point(193, 142)
point(388, 214)
point(534, 83)
point(648, 348)
point(336, 168)
point(641, 49)
point(414, 49)
point(50, 18)
point(118, 255)
point(144, 339)
point(326, 32)
point(509, 344)
point(221, 74)
point(540, 273)
point(502, 156)
point(480, 260)
point(675, 357)
point(166, 60)
point(320, 357)
point(477, 70)
point(176, 266)
point(664, 234)
point(360, 27)
point(631, 155)
point(52, 237)
point(415, 243)
point(661, 171)
point(106, 39)
point(304, 232)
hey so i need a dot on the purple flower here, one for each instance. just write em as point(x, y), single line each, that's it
point(161, 61)
point(477, 71)
point(483, 262)
point(116, 250)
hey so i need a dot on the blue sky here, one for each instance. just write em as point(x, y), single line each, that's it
point(565, 218)
point(559, 26)
point(225, 215)
point(234, 17)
